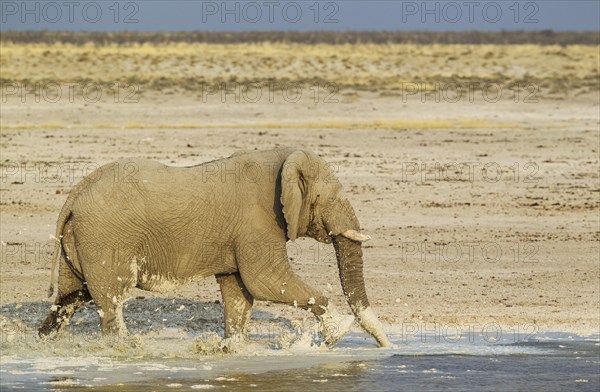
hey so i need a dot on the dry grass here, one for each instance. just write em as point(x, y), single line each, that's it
point(373, 67)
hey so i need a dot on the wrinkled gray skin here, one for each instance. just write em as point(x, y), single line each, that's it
point(138, 223)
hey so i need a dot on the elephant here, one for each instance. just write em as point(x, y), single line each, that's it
point(136, 223)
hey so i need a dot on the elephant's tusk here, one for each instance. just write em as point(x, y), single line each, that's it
point(356, 236)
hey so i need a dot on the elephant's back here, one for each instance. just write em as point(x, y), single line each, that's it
point(122, 178)
point(129, 189)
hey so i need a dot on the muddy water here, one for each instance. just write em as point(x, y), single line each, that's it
point(419, 362)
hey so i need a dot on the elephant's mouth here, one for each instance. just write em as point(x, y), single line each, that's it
point(316, 227)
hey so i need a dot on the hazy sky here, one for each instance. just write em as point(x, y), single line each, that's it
point(261, 15)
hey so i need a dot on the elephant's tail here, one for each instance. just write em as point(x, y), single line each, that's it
point(63, 217)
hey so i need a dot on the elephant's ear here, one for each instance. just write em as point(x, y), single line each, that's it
point(293, 190)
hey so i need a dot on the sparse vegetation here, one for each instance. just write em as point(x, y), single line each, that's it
point(199, 61)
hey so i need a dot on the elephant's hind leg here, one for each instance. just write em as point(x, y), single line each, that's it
point(237, 301)
point(72, 295)
point(110, 277)
point(63, 309)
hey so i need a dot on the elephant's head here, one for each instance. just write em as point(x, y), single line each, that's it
point(314, 206)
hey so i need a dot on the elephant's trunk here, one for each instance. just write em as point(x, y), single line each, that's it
point(350, 263)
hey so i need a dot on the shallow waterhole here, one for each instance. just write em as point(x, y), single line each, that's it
point(419, 361)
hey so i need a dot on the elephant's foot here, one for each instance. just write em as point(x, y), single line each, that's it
point(51, 326)
point(61, 313)
point(211, 344)
point(234, 343)
point(334, 325)
point(112, 323)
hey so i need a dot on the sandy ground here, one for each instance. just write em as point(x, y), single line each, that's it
point(474, 226)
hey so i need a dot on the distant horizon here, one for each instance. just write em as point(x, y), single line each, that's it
point(473, 37)
point(306, 31)
point(301, 16)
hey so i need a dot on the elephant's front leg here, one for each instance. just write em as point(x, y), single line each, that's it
point(237, 301)
point(266, 272)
